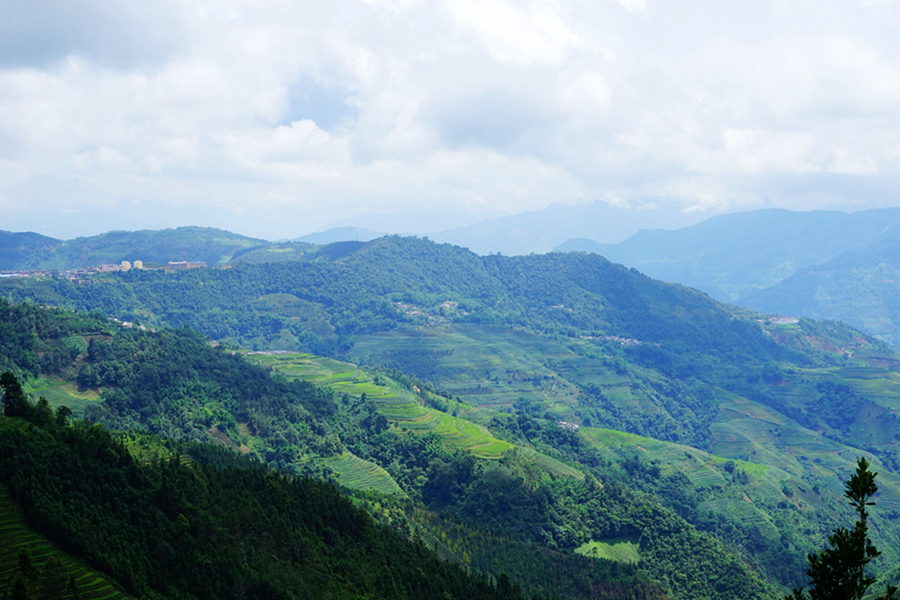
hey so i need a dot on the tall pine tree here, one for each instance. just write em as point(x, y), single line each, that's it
point(839, 571)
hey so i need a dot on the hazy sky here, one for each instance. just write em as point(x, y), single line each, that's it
point(279, 118)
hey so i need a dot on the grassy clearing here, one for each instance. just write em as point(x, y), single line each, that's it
point(359, 474)
point(16, 537)
point(623, 549)
point(58, 392)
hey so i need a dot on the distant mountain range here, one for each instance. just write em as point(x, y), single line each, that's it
point(542, 231)
point(861, 287)
point(340, 234)
point(820, 264)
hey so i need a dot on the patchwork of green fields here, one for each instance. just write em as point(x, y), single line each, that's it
point(746, 428)
point(401, 406)
point(743, 511)
point(765, 483)
point(477, 364)
point(551, 465)
point(702, 469)
point(885, 386)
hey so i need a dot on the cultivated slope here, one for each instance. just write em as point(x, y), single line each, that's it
point(535, 346)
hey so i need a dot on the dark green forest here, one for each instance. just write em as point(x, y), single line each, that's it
point(216, 526)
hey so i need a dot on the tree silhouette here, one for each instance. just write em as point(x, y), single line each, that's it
point(15, 403)
point(839, 571)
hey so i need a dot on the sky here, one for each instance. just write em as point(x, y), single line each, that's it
point(276, 119)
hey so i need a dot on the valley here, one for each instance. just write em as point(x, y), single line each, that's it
point(520, 415)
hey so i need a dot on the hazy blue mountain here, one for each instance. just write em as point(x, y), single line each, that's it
point(542, 231)
point(733, 256)
point(861, 287)
point(340, 234)
point(24, 248)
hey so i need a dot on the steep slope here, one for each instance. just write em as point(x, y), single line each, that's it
point(176, 384)
point(32, 564)
point(170, 530)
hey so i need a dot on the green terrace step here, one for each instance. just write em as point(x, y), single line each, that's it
point(401, 406)
point(356, 473)
point(16, 536)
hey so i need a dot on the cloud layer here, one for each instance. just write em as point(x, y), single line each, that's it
point(276, 118)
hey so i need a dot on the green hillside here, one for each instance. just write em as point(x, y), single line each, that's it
point(32, 564)
point(175, 384)
point(818, 264)
point(25, 250)
point(482, 377)
point(31, 252)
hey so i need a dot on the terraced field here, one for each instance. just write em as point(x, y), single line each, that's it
point(551, 465)
point(874, 383)
point(475, 363)
point(17, 537)
point(701, 468)
point(746, 428)
point(359, 474)
point(744, 512)
point(398, 404)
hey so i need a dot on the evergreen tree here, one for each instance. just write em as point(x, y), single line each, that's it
point(839, 571)
point(15, 404)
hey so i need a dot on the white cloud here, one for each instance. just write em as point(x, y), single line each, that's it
point(206, 111)
point(516, 33)
point(634, 5)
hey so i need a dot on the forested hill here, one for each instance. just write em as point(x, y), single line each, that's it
point(817, 264)
point(731, 256)
point(34, 252)
point(378, 286)
point(204, 524)
point(859, 287)
point(741, 424)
